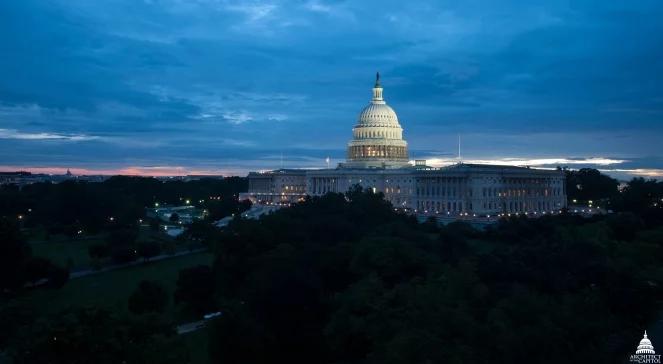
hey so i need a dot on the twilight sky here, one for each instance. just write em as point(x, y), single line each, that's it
point(213, 86)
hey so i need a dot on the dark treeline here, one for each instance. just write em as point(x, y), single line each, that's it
point(17, 265)
point(639, 196)
point(345, 279)
point(79, 209)
point(589, 184)
point(71, 206)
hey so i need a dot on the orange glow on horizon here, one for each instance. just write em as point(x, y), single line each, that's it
point(157, 171)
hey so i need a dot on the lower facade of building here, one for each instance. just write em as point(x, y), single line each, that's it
point(459, 190)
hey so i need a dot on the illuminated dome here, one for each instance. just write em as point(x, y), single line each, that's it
point(645, 346)
point(378, 115)
point(377, 136)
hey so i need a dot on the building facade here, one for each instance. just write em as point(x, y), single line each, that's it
point(378, 160)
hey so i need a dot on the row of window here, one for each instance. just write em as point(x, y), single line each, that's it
point(511, 207)
point(383, 151)
point(375, 134)
point(523, 181)
point(437, 206)
point(439, 191)
point(502, 192)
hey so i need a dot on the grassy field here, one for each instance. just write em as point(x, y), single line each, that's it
point(65, 252)
point(72, 252)
point(112, 289)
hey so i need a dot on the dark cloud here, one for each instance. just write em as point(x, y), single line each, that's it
point(216, 81)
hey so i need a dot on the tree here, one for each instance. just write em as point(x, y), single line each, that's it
point(590, 184)
point(150, 296)
point(148, 250)
point(14, 254)
point(18, 266)
point(122, 236)
point(38, 268)
point(641, 196)
point(121, 244)
point(195, 289)
point(123, 254)
point(57, 276)
point(155, 224)
point(345, 279)
point(238, 338)
point(98, 251)
point(86, 335)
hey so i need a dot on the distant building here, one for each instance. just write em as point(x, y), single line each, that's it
point(22, 178)
point(185, 214)
point(378, 160)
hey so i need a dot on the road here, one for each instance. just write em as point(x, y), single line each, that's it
point(88, 272)
point(190, 327)
point(91, 271)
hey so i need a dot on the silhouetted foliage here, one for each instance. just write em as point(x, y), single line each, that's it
point(14, 255)
point(149, 249)
point(345, 279)
point(225, 207)
point(589, 184)
point(195, 289)
point(644, 198)
point(96, 336)
point(67, 207)
point(18, 266)
point(98, 251)
point(148, 297)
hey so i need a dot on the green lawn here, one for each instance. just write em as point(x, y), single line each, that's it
point(65, 252)
point(68, 252)
point(112, 289)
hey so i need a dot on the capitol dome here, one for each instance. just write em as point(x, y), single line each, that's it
point(377, 136)
point(645, 346)
point(378, 114)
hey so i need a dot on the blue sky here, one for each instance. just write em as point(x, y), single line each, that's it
point(212, 86)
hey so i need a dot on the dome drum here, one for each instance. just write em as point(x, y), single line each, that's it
point(378, 152)
point(377, 133)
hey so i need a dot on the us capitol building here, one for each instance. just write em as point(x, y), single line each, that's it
point(378, 159)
